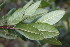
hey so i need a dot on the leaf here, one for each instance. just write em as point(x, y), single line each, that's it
point(49, 34)
point(17, 16)
point(27, 28)
point(30, 10)
point(53, 41)
point(20, 35)
point(30, 35)
point(7, 36)
point(9, 13)
point(28, 4)
point(38, 13)
point(44, 4)
point(46, 30)
point(44, 27)
point(52, 17)
point(36, 28)
point(2, 22)
point(66, 16)
point(32, 19)
point(2, 5)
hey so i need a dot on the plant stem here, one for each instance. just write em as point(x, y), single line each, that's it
point(7, 27)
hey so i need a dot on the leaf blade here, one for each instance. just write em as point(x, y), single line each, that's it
point(53, 41)
point(7, 36)
point(38, 13)
point(52, 17)
point(46, 30)
point(17, 16)
point(32, 8)
point(27, 27)
point(31, 36)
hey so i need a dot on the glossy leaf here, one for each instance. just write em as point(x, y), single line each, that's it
point(52, 17)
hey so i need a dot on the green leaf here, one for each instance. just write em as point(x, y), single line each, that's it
point(53, 41)
point(28, 4)
point(7, 36)
point(66, 16)
point(17, 16)
point(52, 17)
point(2, 22)
point(44, 4)
point(38, 13)
point(46, 30)
point(31, 19)
point(44, 27)
point(2, 5)
point(30, 35)
point(30, 10)
point(27, 27)
point(38, 28)
point(9, 13)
